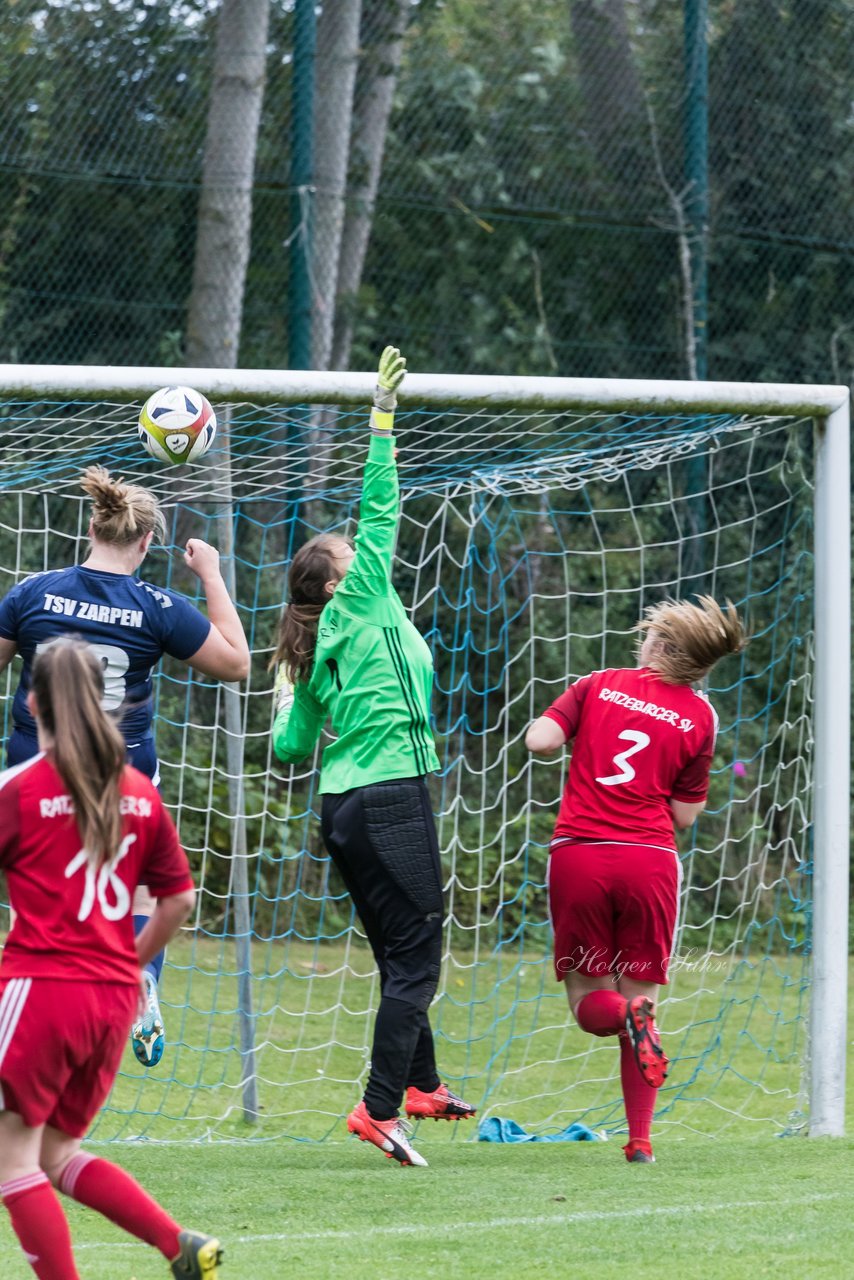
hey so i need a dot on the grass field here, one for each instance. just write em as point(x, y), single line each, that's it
point(711, 1210)
point(741, 1205)
point(735, 1034)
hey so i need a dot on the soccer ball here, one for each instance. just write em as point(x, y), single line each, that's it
point(177, 424)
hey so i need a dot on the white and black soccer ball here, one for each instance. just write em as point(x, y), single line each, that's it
point(177, 424)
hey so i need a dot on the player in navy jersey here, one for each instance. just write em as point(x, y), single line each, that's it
point(642, 745)
point(79, 829)
point(130, 625)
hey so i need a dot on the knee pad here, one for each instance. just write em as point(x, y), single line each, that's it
point(397, 827)
point(417, 990)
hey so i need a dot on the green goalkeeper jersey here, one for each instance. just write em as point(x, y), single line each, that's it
point(373, 673)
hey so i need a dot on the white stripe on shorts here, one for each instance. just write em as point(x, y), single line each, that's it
point(11, 1008)
point(674, 940)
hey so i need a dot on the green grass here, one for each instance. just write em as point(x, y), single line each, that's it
point(745, 1203)
point(722, 1210)
point(735, 1033)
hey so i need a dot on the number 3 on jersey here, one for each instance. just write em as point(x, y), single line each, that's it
point(627, 771)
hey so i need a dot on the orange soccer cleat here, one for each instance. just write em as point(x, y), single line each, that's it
point(441, 1104)
point(389, 1135)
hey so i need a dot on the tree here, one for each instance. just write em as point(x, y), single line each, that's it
point(614, 109)
point(782, 160)
point(384, 23)
point(99, 147)
point(335, 78)
point(225, 204)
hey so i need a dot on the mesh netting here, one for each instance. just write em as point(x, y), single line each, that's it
point(529, 545)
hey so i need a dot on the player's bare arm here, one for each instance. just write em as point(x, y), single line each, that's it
point(685, 814)
point(164, 922)
point(8, 649)
point(545, 736)
point(225, 653)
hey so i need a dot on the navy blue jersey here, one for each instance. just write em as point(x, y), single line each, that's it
point(130, 625)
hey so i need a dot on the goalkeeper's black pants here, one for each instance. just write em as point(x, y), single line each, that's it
point(382, 838)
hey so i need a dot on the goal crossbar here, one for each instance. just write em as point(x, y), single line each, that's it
point(436, 390)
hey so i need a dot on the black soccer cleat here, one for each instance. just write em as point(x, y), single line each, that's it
point(639, 1152)
point(199, 1258)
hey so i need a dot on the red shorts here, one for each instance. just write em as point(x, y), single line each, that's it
point(613, 909)
point(60, 1048)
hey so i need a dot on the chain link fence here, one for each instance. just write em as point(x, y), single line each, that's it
point(496, 188)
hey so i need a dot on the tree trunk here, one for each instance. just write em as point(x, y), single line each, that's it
point(225, 207)
point(335, 78)
point(384, 24)
point(613, 98)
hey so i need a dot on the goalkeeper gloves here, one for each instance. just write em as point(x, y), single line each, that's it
point(283, 691)
point(389, 377)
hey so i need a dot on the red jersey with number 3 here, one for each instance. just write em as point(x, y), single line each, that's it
point(638, 742)
point(73, 920)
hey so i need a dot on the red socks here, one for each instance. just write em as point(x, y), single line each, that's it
point(602, 1012)
point(41, 1226)
point(639, 1097)
point(119, 1197)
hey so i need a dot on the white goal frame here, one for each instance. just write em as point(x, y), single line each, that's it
point(828, 406)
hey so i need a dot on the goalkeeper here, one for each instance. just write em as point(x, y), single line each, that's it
point(348, 652)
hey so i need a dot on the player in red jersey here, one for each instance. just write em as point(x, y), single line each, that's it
point(643, 740)
point(79, 830)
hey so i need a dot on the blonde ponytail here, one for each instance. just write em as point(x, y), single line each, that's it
point(121, 513)
point(688, 639)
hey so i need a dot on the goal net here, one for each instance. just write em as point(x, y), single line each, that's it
point(535, 530)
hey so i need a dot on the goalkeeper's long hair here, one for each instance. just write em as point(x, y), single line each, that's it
point(688, 639)
point(313, 566)
point(86, 747)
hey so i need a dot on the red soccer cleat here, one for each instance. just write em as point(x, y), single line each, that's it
point(643, 1033)
point(441, 1104)
point(389, 1135)
point(639, 1152)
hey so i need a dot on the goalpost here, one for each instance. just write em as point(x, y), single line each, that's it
point(539, 517)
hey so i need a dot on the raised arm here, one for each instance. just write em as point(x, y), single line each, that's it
point(225, 653)
point(370, 572)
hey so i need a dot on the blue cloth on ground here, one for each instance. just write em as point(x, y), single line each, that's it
point(497, 1130)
